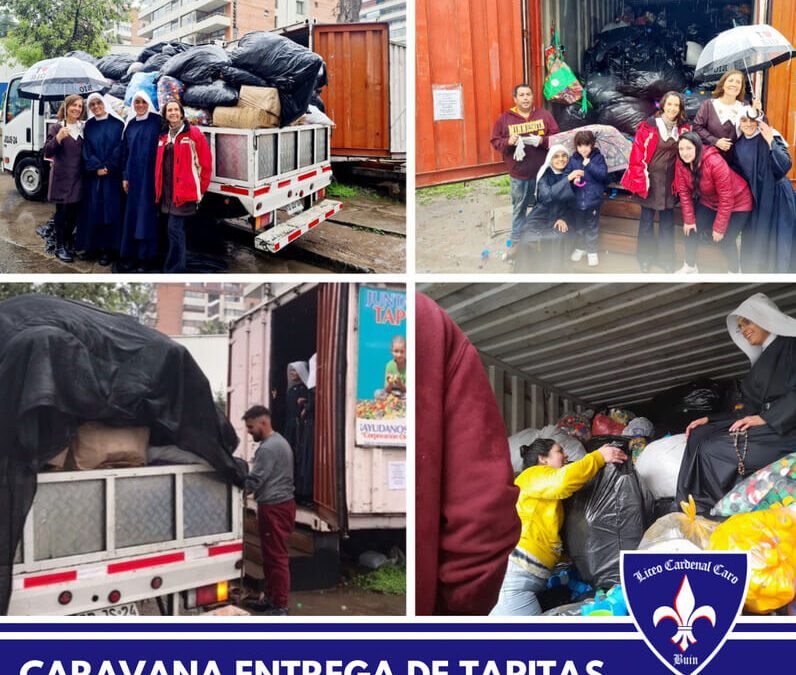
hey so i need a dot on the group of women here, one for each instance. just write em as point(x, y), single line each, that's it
point(124, 189)
point(729, 170)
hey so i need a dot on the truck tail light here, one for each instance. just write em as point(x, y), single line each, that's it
point(321, 194)
point(64, 597)
point(208, 595)
point(262, 221)
point(114, 597)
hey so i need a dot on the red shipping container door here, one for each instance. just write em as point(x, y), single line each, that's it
point(358, 95)
point(781, 91)
point(469, 57)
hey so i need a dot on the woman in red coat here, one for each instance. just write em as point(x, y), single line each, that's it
point(712, 196)
point(650, 175)
point(182, 175)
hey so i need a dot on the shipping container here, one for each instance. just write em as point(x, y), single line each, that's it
point(366, 94)
point(470, 55)
point(359, 482)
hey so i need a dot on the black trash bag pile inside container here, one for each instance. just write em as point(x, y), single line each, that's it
point(217, 93)
point(606, 516)
point(671, 411)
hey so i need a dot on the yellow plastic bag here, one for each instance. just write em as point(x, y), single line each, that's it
point(770, 538)
point(673, 528)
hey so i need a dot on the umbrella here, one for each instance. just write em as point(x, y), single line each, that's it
point(54, 79)
point(744, 48)
point(614, 147)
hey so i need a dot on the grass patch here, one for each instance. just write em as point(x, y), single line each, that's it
point(450, 191)
point(387, 579)
point(336, 189)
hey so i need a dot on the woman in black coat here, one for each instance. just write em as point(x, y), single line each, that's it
point(64, 148)
point(723, 449)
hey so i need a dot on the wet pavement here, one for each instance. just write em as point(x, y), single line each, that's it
point(343, 246)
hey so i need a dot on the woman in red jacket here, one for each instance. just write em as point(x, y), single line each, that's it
point(182, 175)
point(650, 175)
point(712, 196)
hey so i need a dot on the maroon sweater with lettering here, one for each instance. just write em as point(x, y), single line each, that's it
point(466, 521)
point(539, 122)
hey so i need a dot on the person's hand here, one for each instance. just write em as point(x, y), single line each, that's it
point(301, 400)
point(696, 423)
point(577, 173)
point(102, 172)
point(513, 139)
point(612, 455)
point(745, 422)
point(560, 225)
point(586, 161)
point(273, 393)
point(718, 236)
point(63, 132)
point(688, 228)
point(724, 144)
point(766, 132)
point(126, 185)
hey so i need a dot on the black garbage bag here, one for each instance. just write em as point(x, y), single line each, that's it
point(210, 95)
point(169, 48)
point(652, 84)
point(606, 516)
point(617, 40)
point(238, 77)
point(64, 363)
point(317, 102)
point(83, 56)
point(626, 113)
point(154, 62)
point(114, 66)
point(118, 89)
point(602, 89)
point(291, 67)
point(695, 99)
point(572, 116)
point(672, 410)
point(199, 65)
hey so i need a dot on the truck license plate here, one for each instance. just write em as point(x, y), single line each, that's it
point(295, 207)
point(130, 609)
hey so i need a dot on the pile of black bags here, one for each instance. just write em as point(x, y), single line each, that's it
point(213, 76)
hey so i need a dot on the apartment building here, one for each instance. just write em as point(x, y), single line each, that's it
point(203, 21)
point(187, 309)
point(392, 12)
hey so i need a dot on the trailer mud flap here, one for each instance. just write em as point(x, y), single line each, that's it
point(281, 235)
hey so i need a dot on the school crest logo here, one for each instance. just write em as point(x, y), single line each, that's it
point(684, 604)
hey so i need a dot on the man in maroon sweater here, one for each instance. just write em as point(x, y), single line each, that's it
point(466, 514)
point(536, 125)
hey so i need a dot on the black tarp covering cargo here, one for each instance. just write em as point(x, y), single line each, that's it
point(606, 516)
point(291, 68)
point(198, 65)
point(65, 362)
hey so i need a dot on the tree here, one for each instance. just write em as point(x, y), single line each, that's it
point(213, 327)
point(348, 11)
point(45, 30)
point(132, 299)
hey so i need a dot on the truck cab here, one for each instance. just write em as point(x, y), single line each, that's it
point(24, 134)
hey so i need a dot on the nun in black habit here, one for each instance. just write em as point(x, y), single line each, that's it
point(99, 229)
point(546, 225)
point(722, 449)
point(762, 158)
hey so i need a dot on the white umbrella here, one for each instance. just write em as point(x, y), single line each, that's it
point(744, 48)
point(54, 79)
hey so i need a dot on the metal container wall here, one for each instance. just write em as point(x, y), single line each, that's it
point(358, 95)
point(397, 99)
point(781, 103)
point(474, 45)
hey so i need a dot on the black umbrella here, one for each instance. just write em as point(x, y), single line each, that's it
point(54, 79)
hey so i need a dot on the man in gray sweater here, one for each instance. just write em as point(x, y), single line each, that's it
point(270, 481)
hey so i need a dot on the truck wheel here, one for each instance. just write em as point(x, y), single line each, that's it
point(30, 179)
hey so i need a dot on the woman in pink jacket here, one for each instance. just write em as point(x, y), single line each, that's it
point(713, 197)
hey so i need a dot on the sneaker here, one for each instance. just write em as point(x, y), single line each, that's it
point(577, 254)
point(594, 259)
point(687, 269)
point(260, 605)
point(277, 611)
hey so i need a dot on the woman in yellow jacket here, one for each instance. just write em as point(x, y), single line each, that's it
point(546, 480)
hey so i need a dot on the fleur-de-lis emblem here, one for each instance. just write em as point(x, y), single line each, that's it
point(684, 615)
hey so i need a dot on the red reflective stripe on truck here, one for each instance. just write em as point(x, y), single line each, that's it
point(327, 168)
point(131, 565)
point(262, 190)
point(295, 235)
point(314, 223)
point(47, 579)
point(307, 175)
point(331, 213)
point(283, 183)
point(234, 190)
point(226, 548)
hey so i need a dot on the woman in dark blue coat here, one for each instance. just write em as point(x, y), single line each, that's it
point(140, 241)
point(99, 229)
point(541, 243)
point(762, 158)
